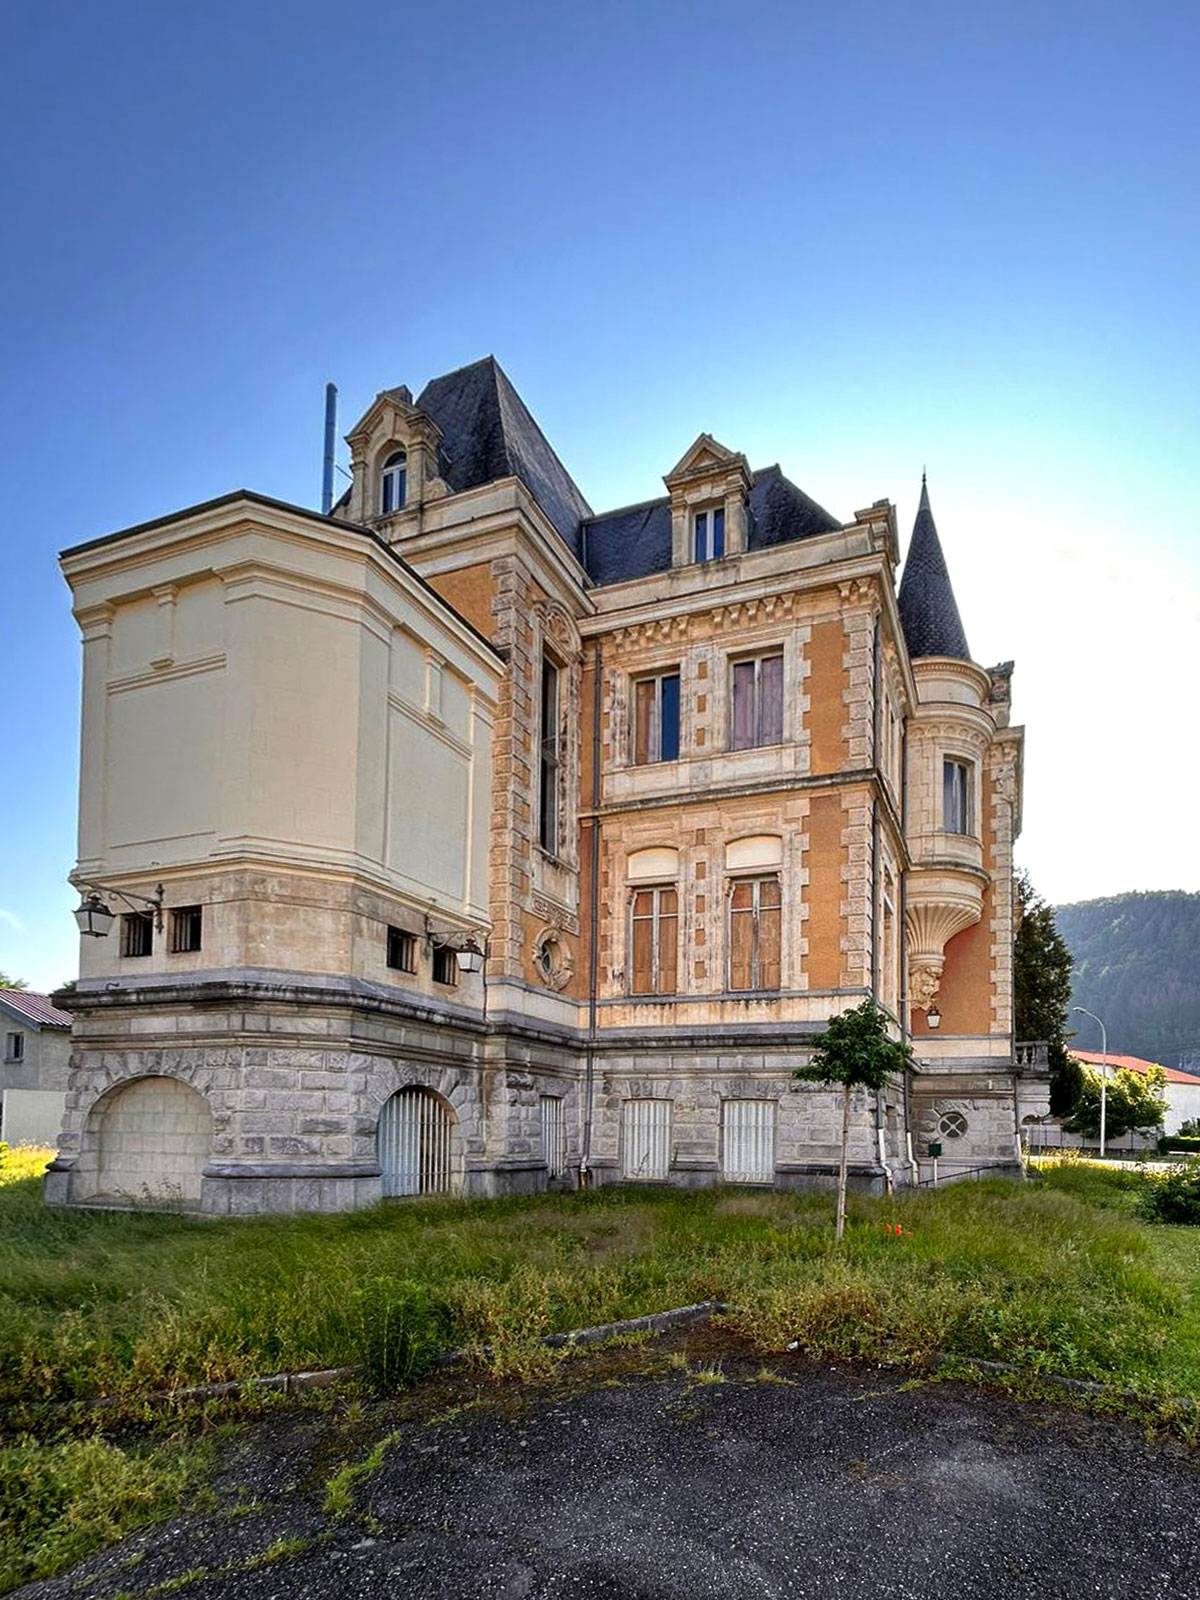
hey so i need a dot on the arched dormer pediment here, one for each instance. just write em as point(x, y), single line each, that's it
point(394, 461)
point(710, 502)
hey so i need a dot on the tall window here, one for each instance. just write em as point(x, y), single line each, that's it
point(137, 933)
point(757, 694)
point(956, 782)
point(554, 1134)
point(754, 929)
point(653, 940)
point(187, 927)
point(656, 719)
point(14, 1047)
point(548, 760)
point(646, 1140)
point(393, 483)
point(708, 534)
point(401, 950)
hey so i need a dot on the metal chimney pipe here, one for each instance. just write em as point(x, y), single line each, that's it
point(330, 435)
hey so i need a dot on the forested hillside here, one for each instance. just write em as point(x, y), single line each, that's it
point(1137, 965)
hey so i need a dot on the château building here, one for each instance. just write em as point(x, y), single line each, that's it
point(466, 838)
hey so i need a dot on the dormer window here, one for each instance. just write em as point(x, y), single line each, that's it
point(708, 534)
point(393, 483)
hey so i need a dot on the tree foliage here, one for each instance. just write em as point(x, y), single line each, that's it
point(1135, 966)
point(855, 1053)
point(1042, 967)
point(1134, 1100)
point(12, 983)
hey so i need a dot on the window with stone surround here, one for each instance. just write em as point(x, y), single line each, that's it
point(646, 1140)
point(654, 939)
point(548, 759)
point(137, 933)
point(445, 964)
point(656, 718)
point(708, 534)
point(401, 950)
point(187, 929)
point(755, 915)
point(956, 796)
point(756, 701)
point(393, 483)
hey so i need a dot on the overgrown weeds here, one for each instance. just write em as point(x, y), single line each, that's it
point(1061, 1276)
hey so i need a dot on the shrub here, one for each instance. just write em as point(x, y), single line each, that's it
point(1180, 1144)
point(1174, 1196)
point(401, 1330)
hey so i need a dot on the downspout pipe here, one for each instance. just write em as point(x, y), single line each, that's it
point(589, 1075)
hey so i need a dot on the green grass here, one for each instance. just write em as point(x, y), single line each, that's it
point(1058, 1276)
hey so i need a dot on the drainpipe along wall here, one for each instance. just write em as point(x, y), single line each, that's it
point(589, 1073)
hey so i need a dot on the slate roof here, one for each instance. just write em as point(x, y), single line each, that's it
point(489, 433)
point(636, 541)
point(34, 1008)
point(928, 609)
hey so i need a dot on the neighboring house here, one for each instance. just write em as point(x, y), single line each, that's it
point(36, 1039)
point(1182, 1092)
point(692, 774)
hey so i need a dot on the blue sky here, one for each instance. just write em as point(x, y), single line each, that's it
point(855, 240)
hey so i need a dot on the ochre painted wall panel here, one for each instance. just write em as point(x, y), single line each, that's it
point(825, 686)
point(825, 925)
point(469, 591)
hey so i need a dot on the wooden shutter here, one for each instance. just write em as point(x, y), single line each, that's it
point(643, 721)
point(742, 724)
point(668, 940)
point(770, 690)
point(642, 943)
point(770, 919)
point(741, 936)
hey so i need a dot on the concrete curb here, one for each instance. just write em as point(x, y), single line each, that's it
point(326, 1377)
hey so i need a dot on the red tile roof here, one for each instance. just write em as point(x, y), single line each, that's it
point(35, 1008)
point(1093, 1058)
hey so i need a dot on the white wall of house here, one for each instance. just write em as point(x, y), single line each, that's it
point(33, 1080)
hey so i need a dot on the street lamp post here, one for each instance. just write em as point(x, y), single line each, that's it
point(1084, 1012)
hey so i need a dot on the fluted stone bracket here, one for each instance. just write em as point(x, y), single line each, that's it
point(940, 905)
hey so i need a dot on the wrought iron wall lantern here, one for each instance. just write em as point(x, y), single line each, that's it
point(933, 1017)
point(95, 918)
point(470, 954)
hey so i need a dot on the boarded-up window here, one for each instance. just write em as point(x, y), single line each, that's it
point(653, 940)
point(755, 914)
point(656, 719)
point(646, 1140)
point(757, 696)
point(748, 1141)
point(554, 1134)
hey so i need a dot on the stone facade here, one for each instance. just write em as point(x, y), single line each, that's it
point(346, 746)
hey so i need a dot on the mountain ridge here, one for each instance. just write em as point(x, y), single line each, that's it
point(1137, 965)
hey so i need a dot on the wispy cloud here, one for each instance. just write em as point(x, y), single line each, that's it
point(13, 921)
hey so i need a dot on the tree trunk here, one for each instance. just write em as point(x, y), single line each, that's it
point(841, 1205)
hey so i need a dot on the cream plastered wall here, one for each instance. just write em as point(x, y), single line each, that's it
point(266, 692)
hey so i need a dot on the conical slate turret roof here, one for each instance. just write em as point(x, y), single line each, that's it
point(928, 610)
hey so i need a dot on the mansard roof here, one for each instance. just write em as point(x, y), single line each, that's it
point(928, 609)
point(636, 541)
point(489, 433)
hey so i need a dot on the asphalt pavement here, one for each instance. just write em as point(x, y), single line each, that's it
point(830, 1484)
